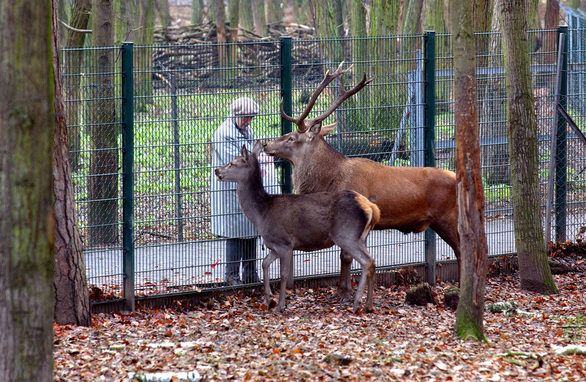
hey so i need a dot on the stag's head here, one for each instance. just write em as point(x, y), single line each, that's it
point(299, 143)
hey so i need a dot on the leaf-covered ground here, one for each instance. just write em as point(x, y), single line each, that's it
point(236, 338)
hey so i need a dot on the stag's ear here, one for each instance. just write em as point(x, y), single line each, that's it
point(257, 148)
point(325, 130)
point(314, 130)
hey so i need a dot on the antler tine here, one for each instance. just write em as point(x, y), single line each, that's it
point(344, 95)
point(284, 115)
point(328, 77)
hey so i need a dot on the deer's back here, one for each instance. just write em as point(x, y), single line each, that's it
point(409, 198)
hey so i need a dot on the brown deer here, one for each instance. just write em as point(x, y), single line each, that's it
point(303, 222)
point(410, 199)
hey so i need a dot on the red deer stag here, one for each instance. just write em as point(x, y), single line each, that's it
point(303, 222)
point(410, 199)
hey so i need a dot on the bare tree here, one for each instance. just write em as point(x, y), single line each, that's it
point(197, 12)
point(27, 126)
point(75, 38)
point(72, 305)
point(473, 246)
point(522, 133)
point(246, 20)
point(495, 158)
point(164, 12)
point(258, 16)
point(103, 132)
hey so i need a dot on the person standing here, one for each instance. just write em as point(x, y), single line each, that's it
point(228, 221)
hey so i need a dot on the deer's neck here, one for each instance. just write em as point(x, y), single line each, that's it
point(252, 196)
point(318, 170)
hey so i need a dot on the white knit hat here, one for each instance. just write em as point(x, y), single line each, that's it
point(244, 106)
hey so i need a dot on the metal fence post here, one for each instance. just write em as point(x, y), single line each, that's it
point(287, 99)
point(128, 174)
point(429, 138)
point(562, 148)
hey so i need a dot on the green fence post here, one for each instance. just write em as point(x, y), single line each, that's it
point(429, 138)
point(287, 99)
point(561, 160)
point(128, 174)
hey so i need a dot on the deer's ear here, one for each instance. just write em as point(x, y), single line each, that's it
point(244, 152)
point(257, 148)
point(325, 130)
point(314, 129)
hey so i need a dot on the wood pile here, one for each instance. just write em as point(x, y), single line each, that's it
point(191, 54)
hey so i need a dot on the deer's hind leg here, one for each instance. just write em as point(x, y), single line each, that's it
point(266, 263)
point(359, 253)
point(344, 284)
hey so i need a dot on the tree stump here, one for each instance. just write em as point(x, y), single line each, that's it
point(420, 295)
point(451, 298)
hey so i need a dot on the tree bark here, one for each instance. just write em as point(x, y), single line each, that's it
point(473, 246)
point(72, 304)
point(103, 132)
point(27, 125)
point(522, 133)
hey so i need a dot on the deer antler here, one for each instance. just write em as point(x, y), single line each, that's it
point(329, 77)
point(342, 96)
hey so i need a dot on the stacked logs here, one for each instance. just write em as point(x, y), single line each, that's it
point(191, 54)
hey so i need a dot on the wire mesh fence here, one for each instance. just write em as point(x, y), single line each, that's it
point(182, 94)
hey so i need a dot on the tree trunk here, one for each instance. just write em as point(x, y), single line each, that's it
point(27, 126)
point(552, 14)
point(197, 11)
point(358, 120)
point(433, 16)
point(258, 16)
point(80, 15)
point(549, 37)
point(246, 19)
point(273, 12)
point(72, 304)
point(144, 25)
point(164, 12)
point(103, 131)
point(234, 15)
point(412, 17)
point(473, 246)
point(522, 133)
point(221, 38)
point(495, 157)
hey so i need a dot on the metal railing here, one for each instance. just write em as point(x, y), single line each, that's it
point(144, 127)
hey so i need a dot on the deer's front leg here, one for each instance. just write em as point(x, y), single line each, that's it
point(285, 264)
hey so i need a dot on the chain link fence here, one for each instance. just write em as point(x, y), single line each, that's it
point(158, 119)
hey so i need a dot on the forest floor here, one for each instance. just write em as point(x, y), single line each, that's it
point(236, 338)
